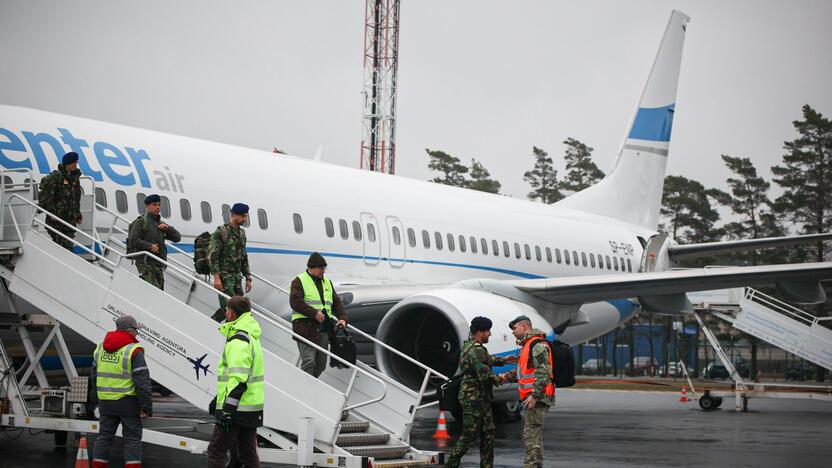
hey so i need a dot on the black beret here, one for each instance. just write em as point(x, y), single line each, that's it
point(70, 158)
point(480, 324)
point(239, 208)
point(519, 318)
point(152, 198)
point(316, 260)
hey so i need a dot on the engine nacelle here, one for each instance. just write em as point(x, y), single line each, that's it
point(430, 327)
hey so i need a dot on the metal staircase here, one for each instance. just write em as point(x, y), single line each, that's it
point(355, 416)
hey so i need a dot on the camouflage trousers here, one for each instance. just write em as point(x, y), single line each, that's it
point(477, 420)
point(533, 435)
point(69, 232)
point(152, 273)
point(232, 284)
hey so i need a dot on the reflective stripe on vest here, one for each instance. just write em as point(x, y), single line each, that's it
point(312, 298)
point(252, 398)
point(114, 372)
point(526, 375)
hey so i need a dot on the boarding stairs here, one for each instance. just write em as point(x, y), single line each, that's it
point(355, 416)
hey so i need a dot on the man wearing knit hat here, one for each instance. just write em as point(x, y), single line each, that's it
point(122, 391)
point(228, 258)
point(475, 393)
point(60, 194)
point(317, 312)
point(148, 234)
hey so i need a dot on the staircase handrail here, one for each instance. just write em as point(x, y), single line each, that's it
point(762, 298)
point(428, 370)
point(268, 317)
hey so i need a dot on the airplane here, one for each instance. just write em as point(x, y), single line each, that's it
point(198, 366)
point(414, 261)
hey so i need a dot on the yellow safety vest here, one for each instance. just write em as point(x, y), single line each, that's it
point(312, 298)
point(114, 372)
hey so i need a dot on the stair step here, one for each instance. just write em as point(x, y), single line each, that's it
point(400, 463)
point(384, 452)
point(354, 426)
point(354, 439)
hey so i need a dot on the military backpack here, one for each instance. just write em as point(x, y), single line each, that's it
point(563, 364)
point(132, 247)
point(202, 264)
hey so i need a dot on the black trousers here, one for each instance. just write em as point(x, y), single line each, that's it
point(244, 439)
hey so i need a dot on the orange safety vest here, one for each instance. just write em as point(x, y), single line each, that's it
point(525, 374)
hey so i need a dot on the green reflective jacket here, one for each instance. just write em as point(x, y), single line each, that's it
point(240, 385)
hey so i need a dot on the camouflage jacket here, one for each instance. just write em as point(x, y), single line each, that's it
point(227, 251)
point(60, 194)
point(145, 232)
point(542, 367)
point(477, 378)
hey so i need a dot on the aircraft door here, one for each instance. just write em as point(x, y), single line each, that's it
point(396, 242)
point(371, 240)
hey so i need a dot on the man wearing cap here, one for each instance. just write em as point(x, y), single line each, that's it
point(316, 312)
point(148, 234)
point(60, 194)
point(122, 392)
point(475, 394)
point(240, 388)
point(536, 385)
point(228, 258)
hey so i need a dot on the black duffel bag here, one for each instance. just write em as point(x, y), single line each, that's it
point(342, 346)
point(449, 396)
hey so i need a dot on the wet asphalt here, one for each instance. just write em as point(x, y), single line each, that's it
point(588, 428)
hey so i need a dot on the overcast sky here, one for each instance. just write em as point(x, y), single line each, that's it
point(483, 79)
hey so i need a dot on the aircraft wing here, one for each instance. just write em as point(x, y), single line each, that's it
point(582, 289)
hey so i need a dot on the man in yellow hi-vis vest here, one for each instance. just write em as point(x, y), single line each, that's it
point(240, 388)
point(122, 392)
point(316, 312)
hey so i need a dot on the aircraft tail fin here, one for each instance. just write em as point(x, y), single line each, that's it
point(632, 191)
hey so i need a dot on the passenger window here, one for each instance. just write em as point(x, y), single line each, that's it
point(528, 251)
point(438, 238)
point(629, 266)
point(371, 232)
point(425, 239)
point(226, 213)
point(165, 207)
point(600, 261)
point(297, 221)
point(140, 202)
point(397, 236)
point(583, 259)
point(473, 244)
point(557, 255)
point(206, 211)
point(484, 245)
point(615, 263)
point(609, 264)
point(592, 260)
point(565, 257)
point(506, 249)
point(462, 243)
point(495, 247)
point(622, 263)
point(548, 254)
point(185, 209)
point(356, 230)
point(262, 219)
point(575, 257)
point(451, 242)
point(344, 229)
point(411, 237)
point(517, 250)
point(101, 197)
point(330, 229)
point(121, 201)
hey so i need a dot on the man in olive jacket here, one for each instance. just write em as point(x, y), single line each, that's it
point(148, 234)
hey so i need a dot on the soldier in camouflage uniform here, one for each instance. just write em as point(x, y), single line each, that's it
point(228, 258)
point(540, 393)
point(148, 234)
point(475, 395)
point(60, 194)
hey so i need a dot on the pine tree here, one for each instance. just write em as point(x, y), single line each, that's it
point(481, 179)
point(688, 210)
point(451, 169)
point(806, 176)
point(543, 178)
point(581, 172)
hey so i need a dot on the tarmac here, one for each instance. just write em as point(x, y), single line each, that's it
point(588, 428)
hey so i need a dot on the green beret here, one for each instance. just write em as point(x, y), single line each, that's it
point(519, 318)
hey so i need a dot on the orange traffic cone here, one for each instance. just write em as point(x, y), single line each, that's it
point(83, 458)
point(684, 398)
point(441, 427)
